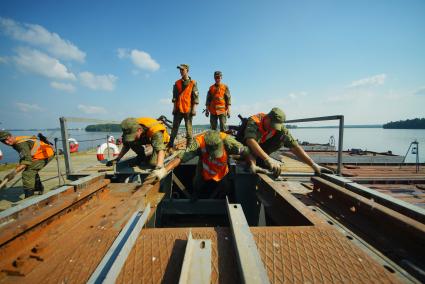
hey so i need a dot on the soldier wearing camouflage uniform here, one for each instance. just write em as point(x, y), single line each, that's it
point(34, 155)
point(138, 132)
point(218, 103)
point(213, 149)
point(266, 133)
point(185, 99)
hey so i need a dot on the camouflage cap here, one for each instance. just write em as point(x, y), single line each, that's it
point(214, 144)
point(129, 128)
point(183, 66)
point(277, 118)
point(218, 73)
point(4, 134)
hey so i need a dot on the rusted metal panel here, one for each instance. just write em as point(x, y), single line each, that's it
point(397, 236)
point(315, 255)
point(158, 256)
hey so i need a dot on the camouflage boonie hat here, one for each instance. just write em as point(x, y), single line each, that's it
point(183, 66)
point(214, 144)
point(277, 118)
point(129, 128)
point(218, 73)
point(4, 135)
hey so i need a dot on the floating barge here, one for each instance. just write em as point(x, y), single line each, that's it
point(108, 226)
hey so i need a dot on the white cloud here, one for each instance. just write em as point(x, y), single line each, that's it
point(92, 109)
point(140, 59)
point(98, 82)
point(39, 36)
point(420, 92)
point(298, 95)
point(40, 63)
point(370, 81)
point(28, 107)
point(63, 86)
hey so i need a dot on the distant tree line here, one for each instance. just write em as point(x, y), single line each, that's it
point(416, 123)
point(108, 127)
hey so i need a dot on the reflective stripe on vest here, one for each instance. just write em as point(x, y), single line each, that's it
point(258, 119)
point(183, 102)
point(218, 103)
point(39, 150)
point(214, 169)
point(153, 127)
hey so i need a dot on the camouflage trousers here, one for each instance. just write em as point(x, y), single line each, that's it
point(222, 118)
point(177, 119)
point(30, 178)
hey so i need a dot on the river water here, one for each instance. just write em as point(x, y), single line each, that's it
point(373, 139)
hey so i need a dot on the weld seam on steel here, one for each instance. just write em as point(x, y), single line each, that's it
point(110, 267)
point(196, 266)
point(251, 267)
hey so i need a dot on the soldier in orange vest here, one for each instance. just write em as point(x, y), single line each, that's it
point(266, 133)
point(34, 155)
point(185, 100)
point(218, 103)
point(138, 132)
point(213, 149)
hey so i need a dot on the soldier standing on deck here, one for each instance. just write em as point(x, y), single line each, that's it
point(34, 155)
point(185, 100)
point(218, 103)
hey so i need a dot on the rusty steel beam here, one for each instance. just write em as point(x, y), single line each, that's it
point(46, 208)
point(399, 237)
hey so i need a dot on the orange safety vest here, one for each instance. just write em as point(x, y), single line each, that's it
point(183, 102)
point(39, 150)
point(218, 103)
point(153, 127)
point(258, 119)
point(213, 169)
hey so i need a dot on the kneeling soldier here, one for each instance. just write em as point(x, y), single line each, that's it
point(141, 131)
point(34, 155)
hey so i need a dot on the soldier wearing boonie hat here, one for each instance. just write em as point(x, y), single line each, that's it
point(138, 132)
point(218, 103)
point(185, 99)
point(266, 133)
point(213, 149)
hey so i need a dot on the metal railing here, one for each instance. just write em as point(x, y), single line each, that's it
point(340, 135)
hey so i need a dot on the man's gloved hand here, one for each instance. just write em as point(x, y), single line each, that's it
point(158, 174)
point(110, 163)
point(10, 175)
point(207, 113)
point(321, 170)
point(274, 166)
point(254, 169)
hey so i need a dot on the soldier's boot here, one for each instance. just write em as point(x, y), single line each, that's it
point(39, 187)
point(28, 192)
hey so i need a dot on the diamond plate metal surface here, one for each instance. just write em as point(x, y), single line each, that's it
point(158, 256)
point(315, 255)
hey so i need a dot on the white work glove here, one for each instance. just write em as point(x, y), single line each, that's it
point(274, 166)
point(321, 170)
point(159, 174)
point(254, 169)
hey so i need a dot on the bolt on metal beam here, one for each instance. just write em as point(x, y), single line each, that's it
point(251, 267)
point(196, 266)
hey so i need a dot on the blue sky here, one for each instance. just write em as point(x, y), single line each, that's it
point(115, 59)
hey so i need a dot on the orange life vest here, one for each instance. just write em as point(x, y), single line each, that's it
point(213, 169)
point(183, 102)
point(258, 119)
point(39, 150)
point(153, 127)
point(218, 103)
